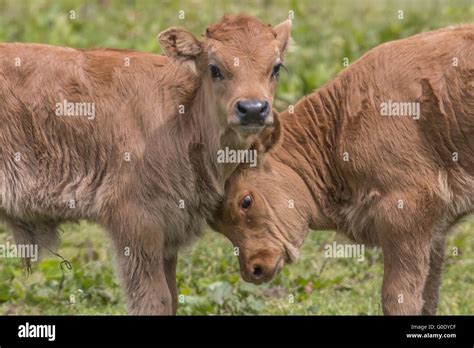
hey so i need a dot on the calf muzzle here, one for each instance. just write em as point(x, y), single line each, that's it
point(252, 112)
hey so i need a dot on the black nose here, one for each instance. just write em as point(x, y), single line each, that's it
point(252, 112)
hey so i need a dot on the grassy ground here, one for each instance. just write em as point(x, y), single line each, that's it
point(326, 32)
point(209, 280)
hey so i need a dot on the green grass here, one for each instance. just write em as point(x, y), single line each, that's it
point(326, 32)
point(209, 279)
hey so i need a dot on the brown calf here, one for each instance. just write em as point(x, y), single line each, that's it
point(342, 161)
point(113, 137)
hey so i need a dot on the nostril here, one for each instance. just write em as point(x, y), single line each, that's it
point(241, 109)
point(264, 109)
point(257, 272)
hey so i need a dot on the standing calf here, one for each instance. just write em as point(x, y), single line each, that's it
point(115, 137)
point(351, 161)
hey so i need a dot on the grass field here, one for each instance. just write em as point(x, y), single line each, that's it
point(325, 32)
point(208, 277)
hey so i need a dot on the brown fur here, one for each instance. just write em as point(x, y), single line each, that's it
point(390, 159)
point(137, 115)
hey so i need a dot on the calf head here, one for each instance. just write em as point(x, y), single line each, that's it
point(238, 62)
point(265, 213)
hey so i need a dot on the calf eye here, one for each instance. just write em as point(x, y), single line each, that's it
point(246, 202)
point(276, 70)
point(215, 72)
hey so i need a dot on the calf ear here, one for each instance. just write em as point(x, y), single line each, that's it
point(180, 43)
point(215, 222)
point(283, 31)
point(269, 136)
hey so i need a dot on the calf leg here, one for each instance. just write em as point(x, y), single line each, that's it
point(141, 265)
point(145, 285)
point(405, 272)
point(405, 227)
point(431, 290)
point(170, 272)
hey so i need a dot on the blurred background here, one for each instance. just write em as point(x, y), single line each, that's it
point(325, 32)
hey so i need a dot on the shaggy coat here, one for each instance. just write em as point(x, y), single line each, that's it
point(339, 160)
point(129, 162)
